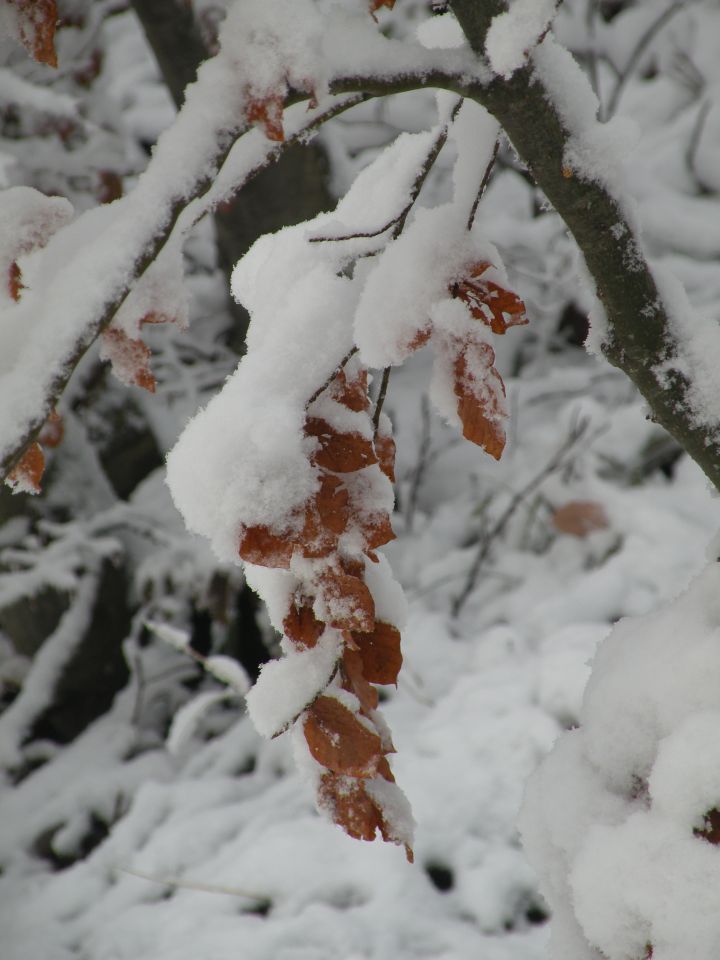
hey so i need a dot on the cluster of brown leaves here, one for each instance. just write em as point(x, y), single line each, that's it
point(342, 730)
point(478, 386)
point(37, 23)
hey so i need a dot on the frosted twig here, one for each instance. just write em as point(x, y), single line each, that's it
point(190, 885)
point(483, 184)
point(382, 393)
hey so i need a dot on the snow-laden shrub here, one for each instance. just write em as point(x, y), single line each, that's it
point(622, 819)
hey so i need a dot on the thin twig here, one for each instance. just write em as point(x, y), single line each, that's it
point(577, 431)
point(548, 26)
point(483, 184)
point(336, 371)
point(432, 155)
point(382, 392)
point(639, 49)
point(189, 885)
point(421, 465)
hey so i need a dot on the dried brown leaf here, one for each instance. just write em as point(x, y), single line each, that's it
point(264, 547)
point(27, 474)
point(267, 112)
point(482, 296)
point(130, 358)
point(349, 603)
point(580, 518)
point(301, 625)
point(339, 740)
point(339, 452)
point(38, 21)
point(385, 452)
point(380, 653)
point(14, 281)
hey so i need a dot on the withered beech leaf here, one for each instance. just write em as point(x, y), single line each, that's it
point(710, 830)
point(506, 309)
point(380, 653)
point(481, 417)
point(377, 4)
point(262, 546)
point(349, 805)
point(352, 808)
point(38, 21)
point(130, 358)
point(267, 112)
point(339, 452)
point(580, 518)
point(339, 741)
point(356, 682)
point(27, 474)
point(348, 602)
point(351, 393)
point(332, 502)
point(52, 431)
point(385, 452)
point(301, 625)
point(376, 529)
point(14, 282)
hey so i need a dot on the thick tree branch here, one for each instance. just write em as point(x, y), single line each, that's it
point(640, 340)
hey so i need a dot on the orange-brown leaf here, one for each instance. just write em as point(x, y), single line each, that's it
point(481, 416)
point(478, 428)
point(376, 529)
point(326, 517)
point(38, 20)
point(301, 625)
point(349, 805)
point(14, 281)
point(380, 653)
point(340, 452)
point(352, 808)
point(356, 682)
point(110, 186)
point(349, 603)
point(25, 477)
point(352, 394)
point(376, 4)
point(482, 296)
point(130, 359)
point(332, 503)
point(385, 452)
point(339, 741)
point(267, 112)
point(52, 431)
point(580, 517)
point(262, 546)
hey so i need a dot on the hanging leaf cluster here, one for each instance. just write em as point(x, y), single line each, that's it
point(338, 530)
